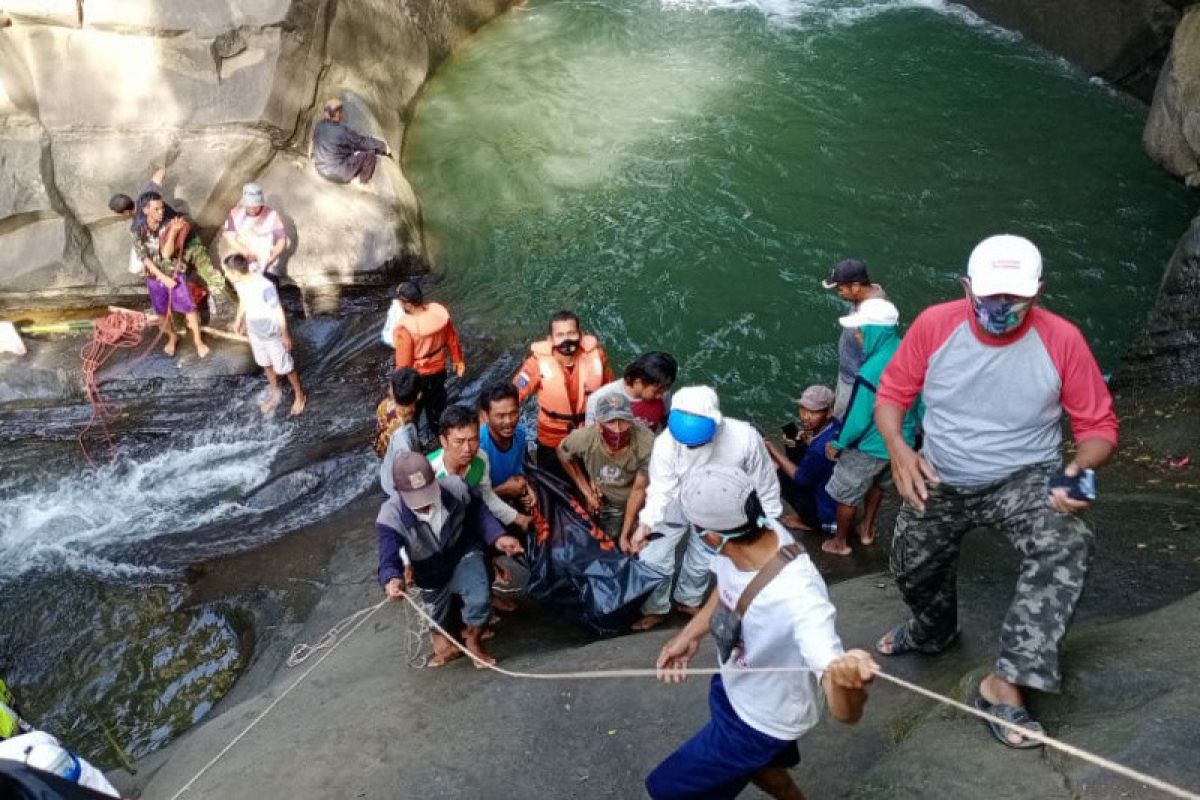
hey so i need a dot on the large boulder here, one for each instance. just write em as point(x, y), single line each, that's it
point(1123, 42)
point(95, 95)
point(1172, 134)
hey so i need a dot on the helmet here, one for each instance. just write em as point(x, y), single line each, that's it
point(691, 430)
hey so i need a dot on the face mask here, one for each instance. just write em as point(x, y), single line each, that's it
point(997, 316)
point(725, 537)
point(616, 440)
point(427, 516)
point(567, 347)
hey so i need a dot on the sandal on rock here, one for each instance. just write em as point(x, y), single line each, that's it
point(1013, 714)
point(901, 641)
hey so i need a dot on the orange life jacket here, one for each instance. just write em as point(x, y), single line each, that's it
point(427, 326)
point(562, 404)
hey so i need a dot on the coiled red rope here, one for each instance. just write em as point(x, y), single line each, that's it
point(116, 331)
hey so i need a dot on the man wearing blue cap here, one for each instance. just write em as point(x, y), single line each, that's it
point(697, 434)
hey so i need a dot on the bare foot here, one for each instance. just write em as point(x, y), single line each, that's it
point(442, 659)
point(648, 622)
point(502, 603)
point(203, 349)
point(483, 659)
point(268, 405)
point(794, 522)
point(836, 547)
point(169, 347)
point(503, 575)
point(866, 535)
point(298, 404)
point(687, 611)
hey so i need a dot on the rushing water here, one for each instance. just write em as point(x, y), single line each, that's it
point(683, 173)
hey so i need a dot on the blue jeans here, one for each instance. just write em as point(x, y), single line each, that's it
point(719, 761)
point(469, 582)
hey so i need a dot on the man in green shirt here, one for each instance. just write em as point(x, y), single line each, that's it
point(609, 464)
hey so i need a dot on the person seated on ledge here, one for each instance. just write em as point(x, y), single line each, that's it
point(805, 467)
point(341, 154)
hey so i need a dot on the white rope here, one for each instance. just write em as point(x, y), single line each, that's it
point(330, 642)
point(364, 615)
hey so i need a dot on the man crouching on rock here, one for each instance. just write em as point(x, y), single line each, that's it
point(432, 535)
point(770, 610)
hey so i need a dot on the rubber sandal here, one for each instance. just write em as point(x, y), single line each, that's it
point(1014, 714)
point(901, 643)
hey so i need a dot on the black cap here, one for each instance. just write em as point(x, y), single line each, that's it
point(849, 271)
point(411, 292)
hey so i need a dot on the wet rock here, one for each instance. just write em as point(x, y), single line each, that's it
point(1167, 352)
point(1172, 134)
point(1123, 42)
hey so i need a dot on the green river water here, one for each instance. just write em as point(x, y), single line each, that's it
point(683, 175)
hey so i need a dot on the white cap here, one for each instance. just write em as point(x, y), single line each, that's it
point(699, 400)
point(1005, 264)
point(875, 311)
point(714, 497)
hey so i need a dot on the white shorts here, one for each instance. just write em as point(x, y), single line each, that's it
point(271, 353)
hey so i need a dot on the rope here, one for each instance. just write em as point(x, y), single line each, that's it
point(329, 642)
point(362, 617)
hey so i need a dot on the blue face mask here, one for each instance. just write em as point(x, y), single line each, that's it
point(725, 537)
point(998, 316)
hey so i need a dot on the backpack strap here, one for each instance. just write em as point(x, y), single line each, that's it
point(784, 556)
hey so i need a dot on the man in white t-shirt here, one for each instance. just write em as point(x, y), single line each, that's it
point(261, 318)
point(256, 231)
point(756, 716)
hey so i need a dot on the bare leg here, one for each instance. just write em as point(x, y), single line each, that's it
point(273, 393)
point(866, 528)
point(473, 638)
point(838, 545)
point(777, 782)
point(794, 522)
point(193, 323)
point(301, 398)
point(168, 328)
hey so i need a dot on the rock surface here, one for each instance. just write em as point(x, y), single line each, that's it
point(1123, 42)
point(95, 94)
point(1172, 134)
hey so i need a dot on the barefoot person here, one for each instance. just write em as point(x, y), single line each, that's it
point(697, 434)
point(997, 372)
point(167, 249)
point(804, 467)
point(262, 319)
point(849, 277)
point(862, 457)
point(770, 609)
point(432, 535)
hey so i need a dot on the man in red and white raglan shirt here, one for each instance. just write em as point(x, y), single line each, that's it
point(996, 373)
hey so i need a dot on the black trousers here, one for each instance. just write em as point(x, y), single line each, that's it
point(432, 402)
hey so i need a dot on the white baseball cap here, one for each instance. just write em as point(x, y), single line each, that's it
point(1005, 264)
point(875, 311)
point(715, 497)
point(698, 400)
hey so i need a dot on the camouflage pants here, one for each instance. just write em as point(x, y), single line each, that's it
point(1055, 549)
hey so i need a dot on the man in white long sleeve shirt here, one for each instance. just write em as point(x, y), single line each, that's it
point(697, 434)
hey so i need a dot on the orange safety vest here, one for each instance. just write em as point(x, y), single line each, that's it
point(428, 328)
point(562, 406)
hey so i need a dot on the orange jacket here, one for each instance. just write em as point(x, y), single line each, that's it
point(562, 393)
point(421, 339)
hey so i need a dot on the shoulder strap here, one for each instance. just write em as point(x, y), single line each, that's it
point(784, 556)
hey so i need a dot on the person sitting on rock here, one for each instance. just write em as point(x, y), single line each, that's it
point(432, 535)
point(609, 463)
point(256, 231)
point(341, 154)
point(805, 467)
point(997, 372)
point(168, 251)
